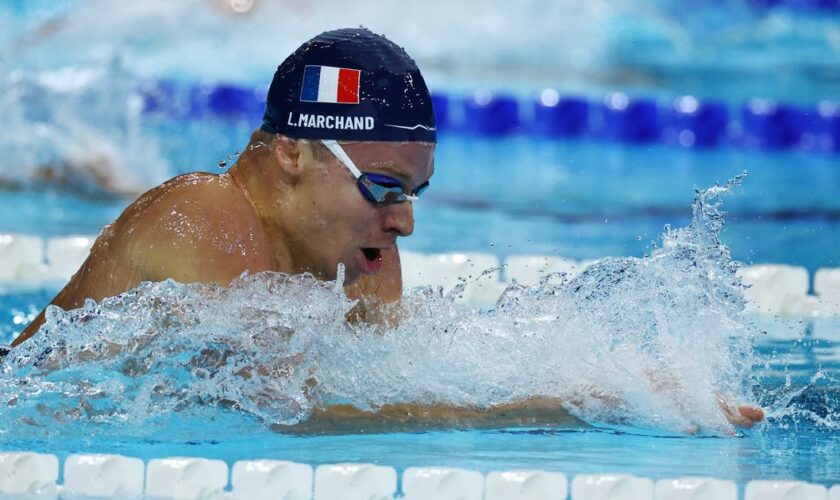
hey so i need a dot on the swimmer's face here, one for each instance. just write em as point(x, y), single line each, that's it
point(340, 225)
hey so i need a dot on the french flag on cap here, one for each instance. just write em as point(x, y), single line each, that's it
point(329, 84)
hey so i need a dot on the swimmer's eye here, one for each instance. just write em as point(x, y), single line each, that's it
point(378, 189)
point(383, 190)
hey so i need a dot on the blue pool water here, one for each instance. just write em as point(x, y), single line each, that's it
point(794, 366)
point(801, 445)
point(511, 195)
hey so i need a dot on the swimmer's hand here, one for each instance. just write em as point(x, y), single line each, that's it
point(741, 416)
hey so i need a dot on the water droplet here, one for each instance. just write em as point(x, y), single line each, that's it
point(222, 163)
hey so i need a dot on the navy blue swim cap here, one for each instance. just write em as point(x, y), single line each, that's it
point(350, 84)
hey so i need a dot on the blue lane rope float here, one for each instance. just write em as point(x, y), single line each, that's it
point(684, 121)
point(625, 119)
point(695, 123)
point(804, 6)
point(491, 114)
point(441, 104)
point(559, 116)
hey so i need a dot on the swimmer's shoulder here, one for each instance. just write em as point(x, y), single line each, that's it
point(194, 227)
point(195, 187)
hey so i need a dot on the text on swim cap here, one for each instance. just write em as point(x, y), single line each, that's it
point(330, 121)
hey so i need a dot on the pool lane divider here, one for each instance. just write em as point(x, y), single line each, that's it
point(684, 121)
point(36, 475)
point(30, 262)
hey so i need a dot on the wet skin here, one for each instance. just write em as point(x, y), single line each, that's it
point(285, 207)
point(290, 206)
point(538, 411)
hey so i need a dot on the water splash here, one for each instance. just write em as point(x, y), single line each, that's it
point(79, 129)
point(647, 342)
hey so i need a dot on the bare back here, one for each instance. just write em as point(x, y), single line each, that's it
point(193, 228)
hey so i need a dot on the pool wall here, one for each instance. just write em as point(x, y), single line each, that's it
point(27, 473)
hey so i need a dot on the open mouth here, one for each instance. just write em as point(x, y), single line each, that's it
point(372, 254)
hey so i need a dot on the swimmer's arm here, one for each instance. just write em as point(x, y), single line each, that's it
point(533, 412)
point(103, 274)
point(545, 412)
point(178, 232)
point(196, 232)
point(377, 291)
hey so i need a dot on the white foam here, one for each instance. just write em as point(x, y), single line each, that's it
point(351, 481)
point(444, 483)
point(264, 479)
point(103, 475)
point(525, 485)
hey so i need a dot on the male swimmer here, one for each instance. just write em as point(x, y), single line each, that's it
point(347, 142)
point(346, 145)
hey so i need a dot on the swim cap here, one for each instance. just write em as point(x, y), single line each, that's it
point(350, 84)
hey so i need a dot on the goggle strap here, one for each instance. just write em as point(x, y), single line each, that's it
point(338, 151)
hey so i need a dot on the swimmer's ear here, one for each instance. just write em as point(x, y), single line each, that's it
point(286, 152)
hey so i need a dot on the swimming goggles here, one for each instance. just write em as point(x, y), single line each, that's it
point(378, 189)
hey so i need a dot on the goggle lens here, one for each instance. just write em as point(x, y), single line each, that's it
point(378, 189)
point(383, 190)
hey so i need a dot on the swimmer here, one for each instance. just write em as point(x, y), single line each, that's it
point(91, 177)
point(346, 145)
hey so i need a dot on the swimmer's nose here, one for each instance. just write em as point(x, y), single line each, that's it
point(398, 218)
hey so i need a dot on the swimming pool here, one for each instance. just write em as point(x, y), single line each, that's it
point(798, 442)
point(794, 366)
point(501, 195)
